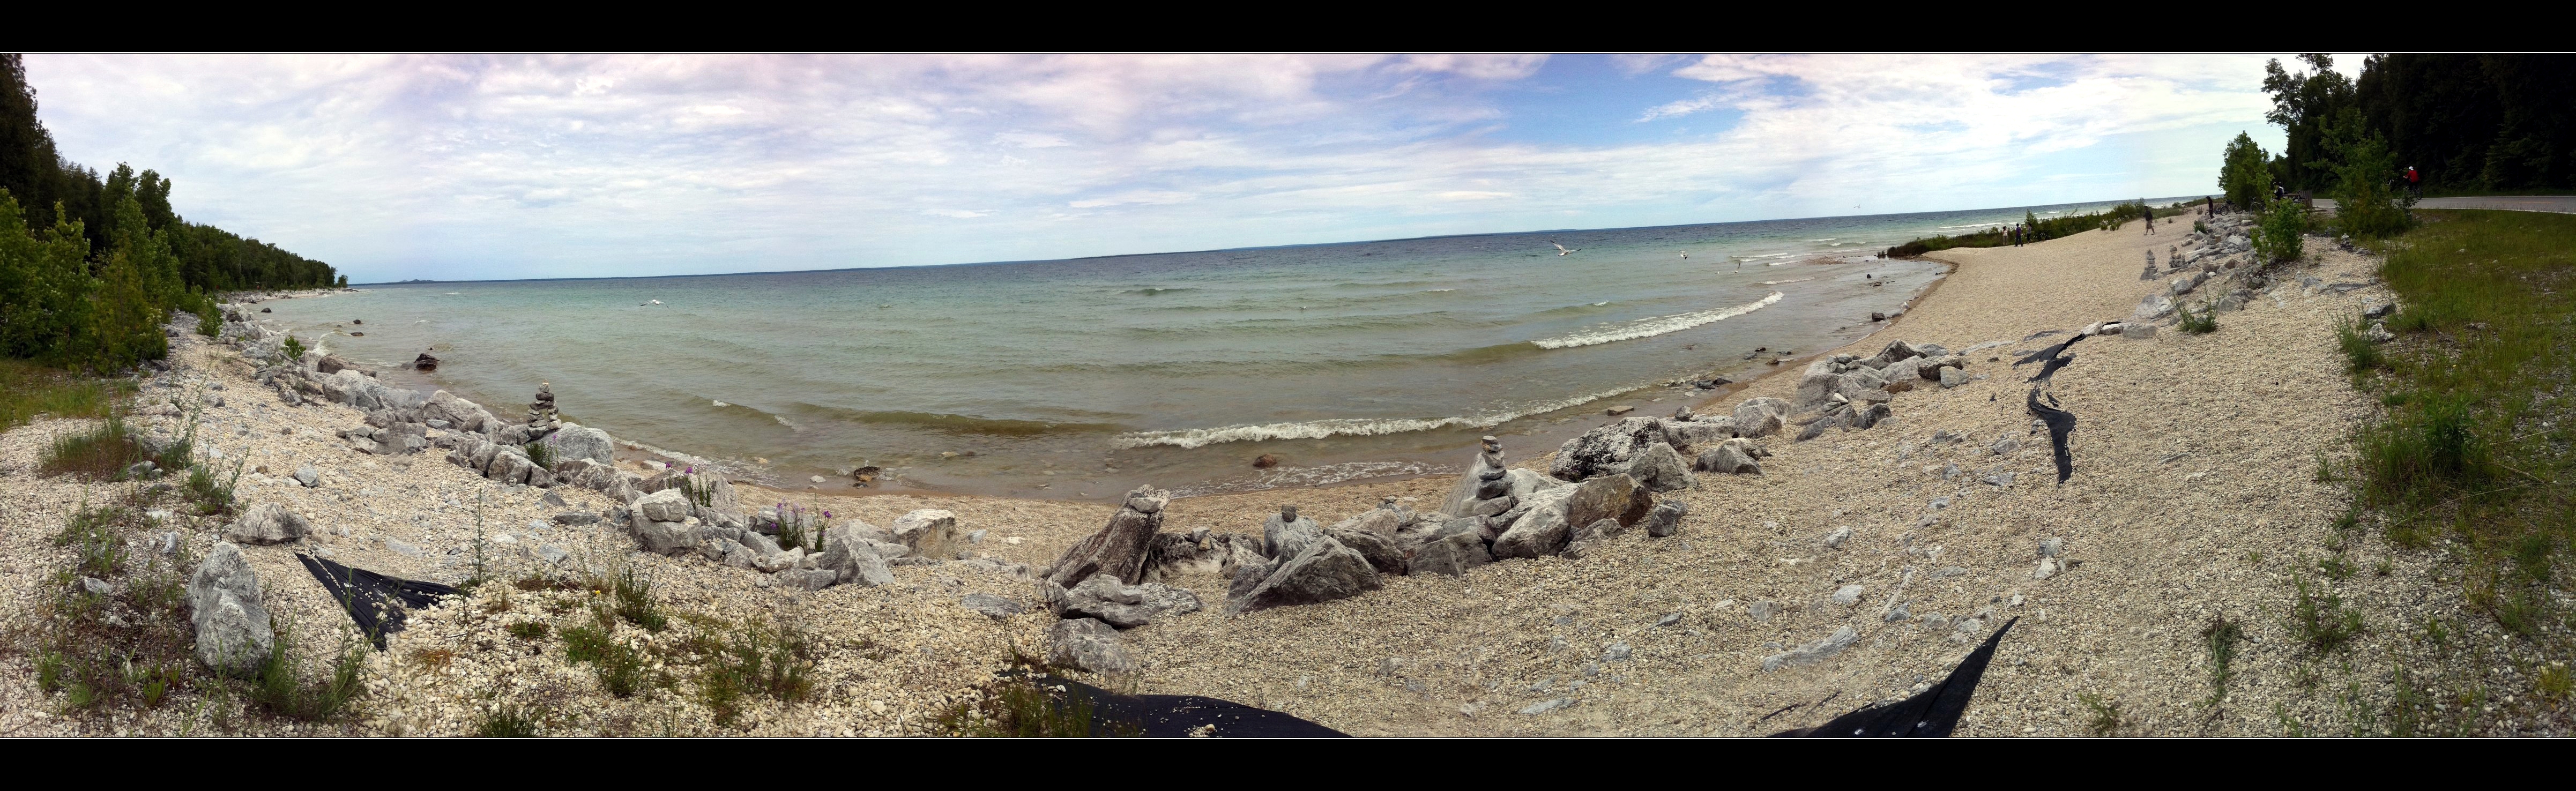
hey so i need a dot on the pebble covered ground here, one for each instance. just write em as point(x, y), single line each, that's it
point(2194, 497)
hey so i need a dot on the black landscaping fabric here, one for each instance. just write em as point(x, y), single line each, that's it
point(2050, 369)
point(1933, 712)
point(2060, 423)
point(375, 601)
point(1175, 716)
point(2046, 354)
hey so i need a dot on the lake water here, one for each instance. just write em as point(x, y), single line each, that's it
point(1083, 378)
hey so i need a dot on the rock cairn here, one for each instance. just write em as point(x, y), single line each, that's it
point(2150, 272)
point(542, 419)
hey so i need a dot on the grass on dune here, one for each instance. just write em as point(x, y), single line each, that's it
point(2476, 446)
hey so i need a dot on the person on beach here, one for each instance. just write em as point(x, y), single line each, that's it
point(2148, 212)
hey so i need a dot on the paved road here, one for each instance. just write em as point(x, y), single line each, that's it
point(2558, 204)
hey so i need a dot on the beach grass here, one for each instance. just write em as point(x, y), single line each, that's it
point(28, 390)
point(2473, 448)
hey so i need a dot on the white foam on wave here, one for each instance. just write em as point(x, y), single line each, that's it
point(1345, 427)
point(1306, 476)
point(1791, 280)
point(1648, 328)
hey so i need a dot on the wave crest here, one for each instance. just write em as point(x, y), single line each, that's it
point(1344, 427)
point(1648, 328)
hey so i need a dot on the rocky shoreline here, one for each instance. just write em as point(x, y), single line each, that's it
point(1835, 537)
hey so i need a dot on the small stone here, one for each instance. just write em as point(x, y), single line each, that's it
point(1762, 611)
point(311, 478)
point(402, 547)
point(991, 605)
point(1848, 595)
point(1545, 706)
point(552, 554)
point(814, 479)
point(1265, 461)
point(1834, 540)
point(1669, 619)
point(1617, 652)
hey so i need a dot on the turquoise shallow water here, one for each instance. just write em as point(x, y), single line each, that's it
point(1085, 377)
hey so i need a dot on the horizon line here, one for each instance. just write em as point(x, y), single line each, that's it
point(1224, 249)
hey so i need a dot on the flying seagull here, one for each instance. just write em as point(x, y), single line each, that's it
point(1562, 250)
point(1685, 253)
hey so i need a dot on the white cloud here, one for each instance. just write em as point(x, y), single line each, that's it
point(492, 166)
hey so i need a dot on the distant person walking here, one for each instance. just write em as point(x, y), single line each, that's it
point(2148, 212)
point(2414, 182)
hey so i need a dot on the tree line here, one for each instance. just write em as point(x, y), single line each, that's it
point(2466, 123)
point(91, 266)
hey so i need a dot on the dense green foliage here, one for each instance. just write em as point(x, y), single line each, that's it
point(2467, 123)
point(90, 267)
point(2281, 233)
point(2244, 175)
point(2040, 229)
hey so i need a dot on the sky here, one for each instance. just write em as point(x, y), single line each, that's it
point(500, 167)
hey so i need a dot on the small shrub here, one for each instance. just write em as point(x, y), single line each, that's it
point(618, 667)
point(2199, 227)
point(756, 659)
point(2281, 233)
point(2319, 619)
point(2554, 682)
point(633, 594)
point(294, 350)
point(2222, 635)
point(507, 721)
point(2335, 568)
point(2360, 355)
point(540, 455)
point(282, 691)
point(100, 454)
point(210, 320)
point(2429, 448)
point(2201, 323)
point(2105, 719)
point(527, 630)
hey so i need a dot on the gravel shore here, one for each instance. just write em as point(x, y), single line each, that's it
point(2193, 498)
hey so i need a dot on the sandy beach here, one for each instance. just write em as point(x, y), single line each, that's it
point(2192, 499)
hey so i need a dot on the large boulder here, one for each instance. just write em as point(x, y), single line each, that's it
point(1285, 535)
point(1200, 552)
point(267, 523)
point(1539, 533)
point(661, 523)
point(1122, 606)
point(1380, 550)
point(1731, 458)
point(1616, 497)
point(1894, 352)
point(1761, 417)
point(1452, 554)
point(931, 533)
point(1606, 450)
point(1121, 547)
point(576, 442)
point(1325, 571)
point(1689, 437)
point(668, 505)
point(852, 556)
point(1660, 468)
point(1088, 644)
point(234, 637)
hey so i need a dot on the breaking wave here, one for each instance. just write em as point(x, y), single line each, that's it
point(1648, 328)
point(1344, 427)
